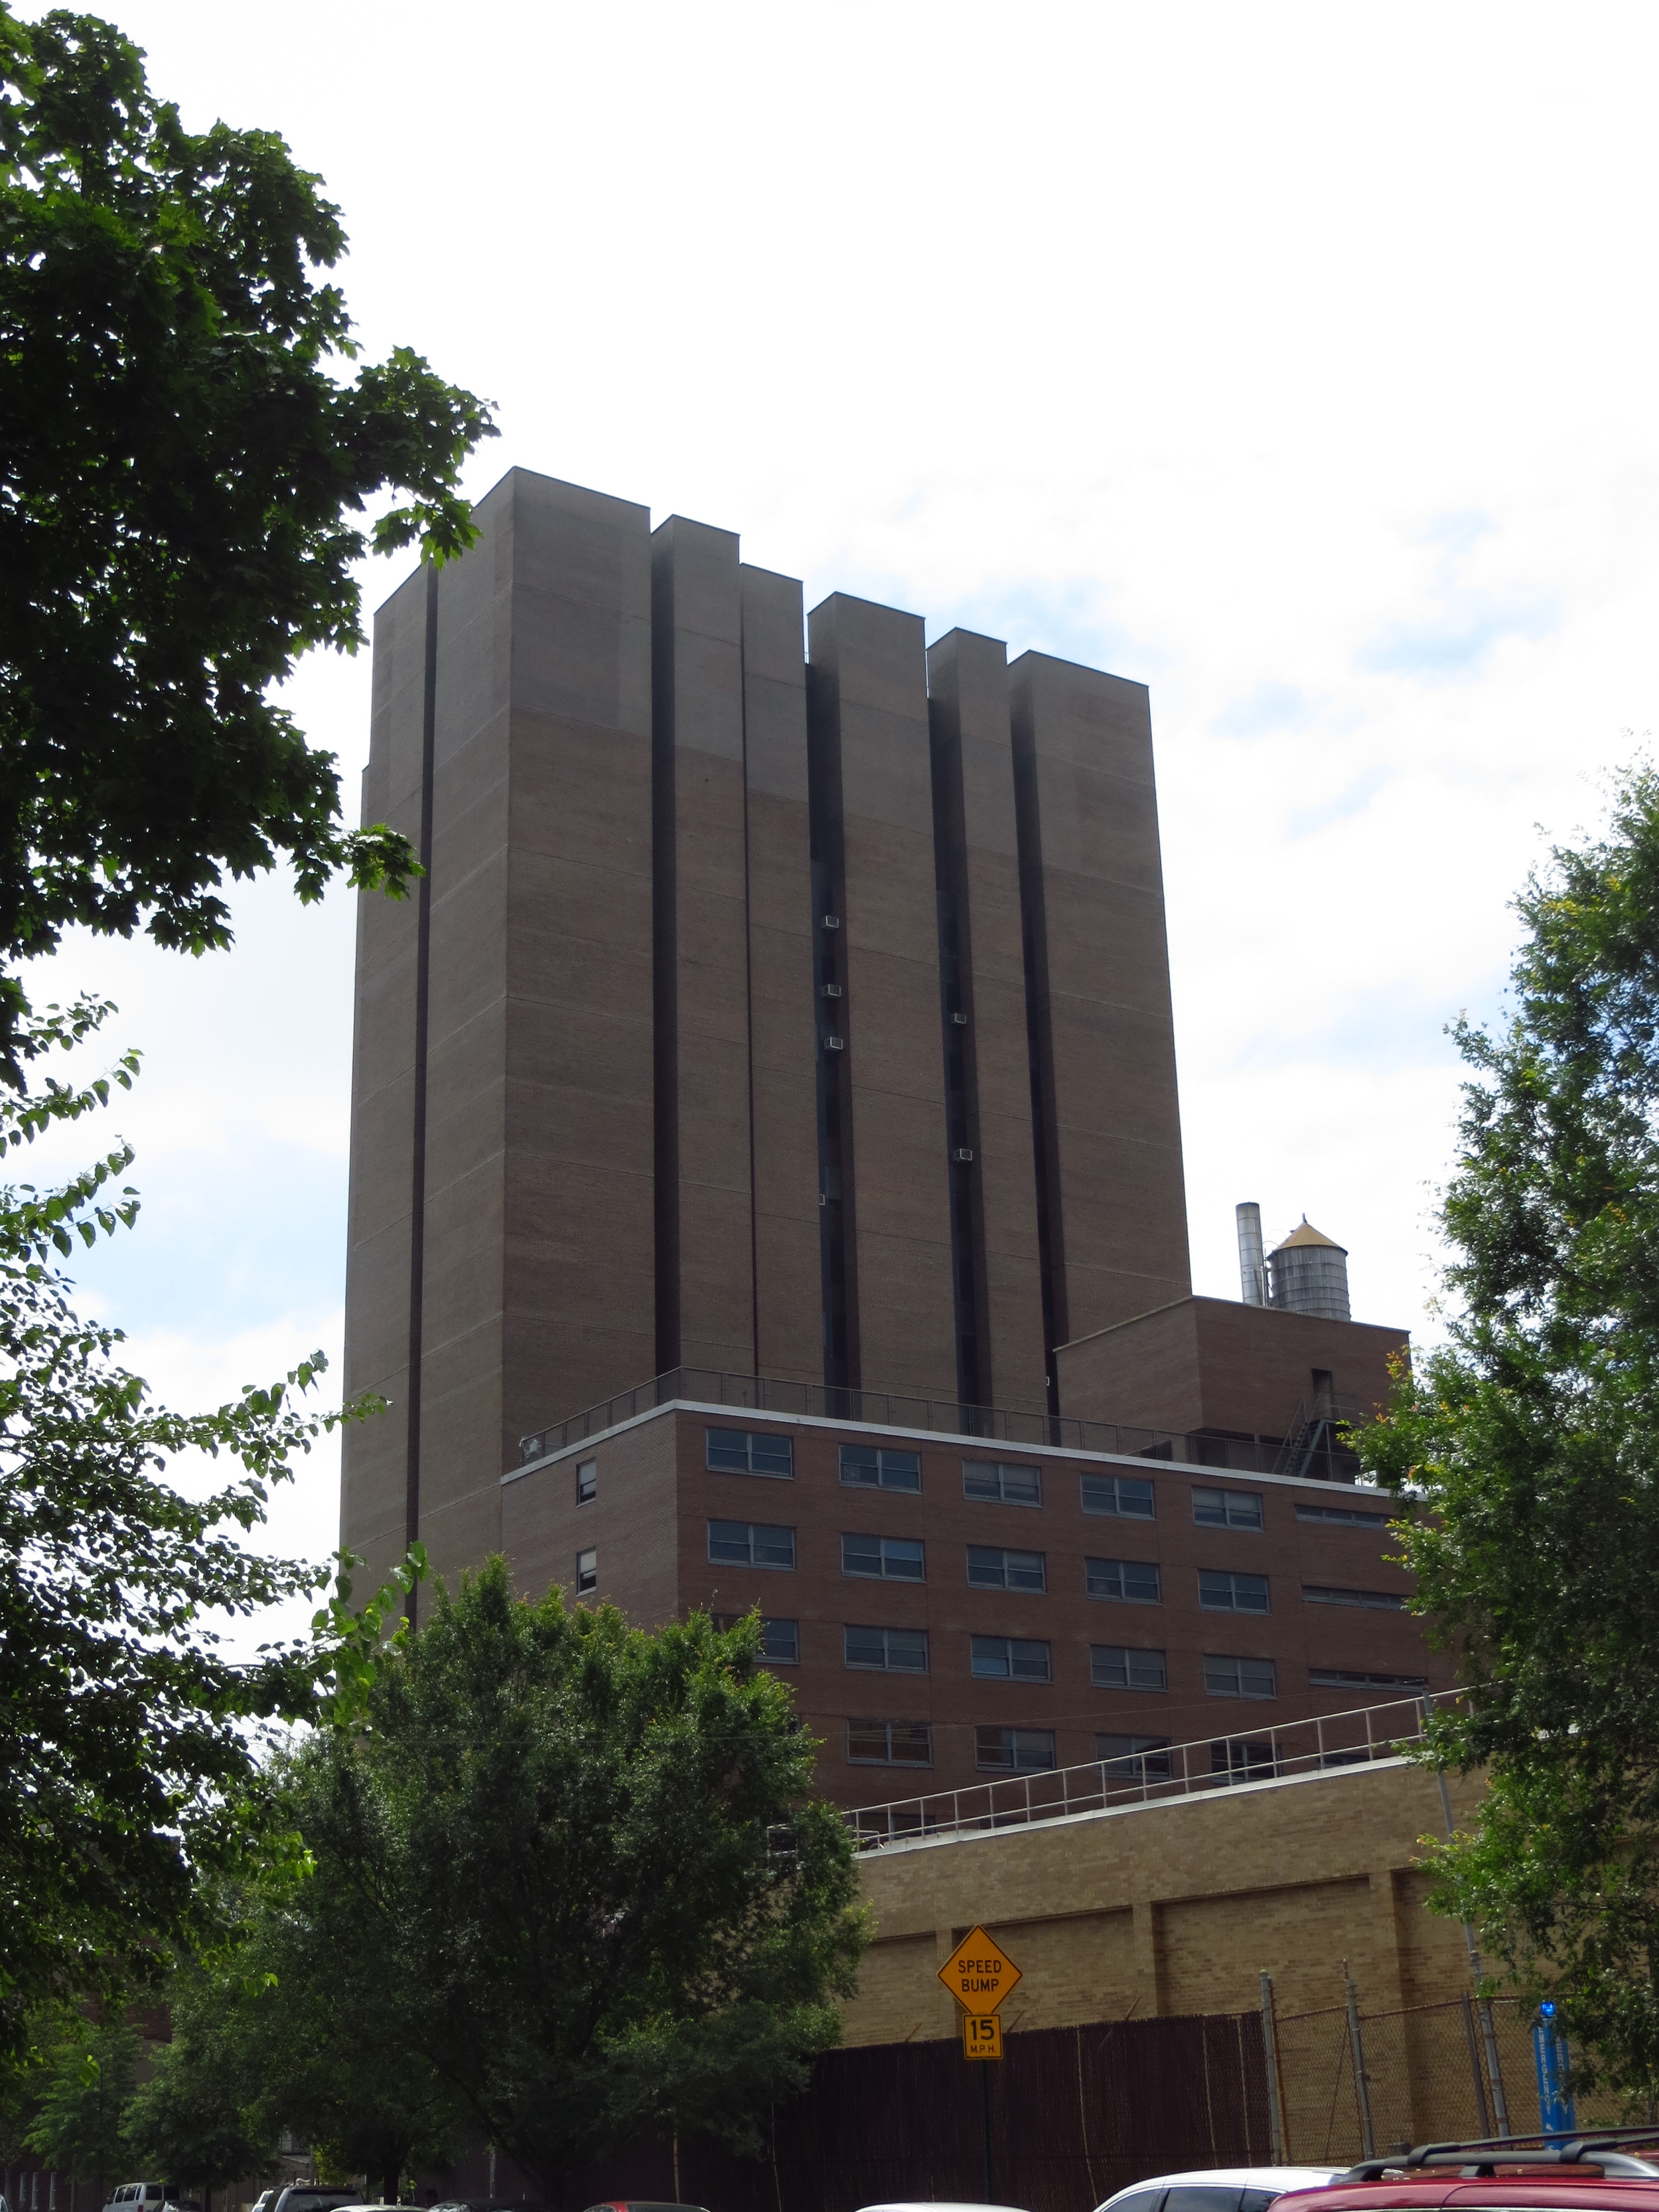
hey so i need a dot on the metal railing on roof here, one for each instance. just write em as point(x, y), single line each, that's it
point(888, 1409)
point(1275, 1752)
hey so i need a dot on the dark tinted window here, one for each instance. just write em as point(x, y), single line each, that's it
point(1144, 2200)
point(1230, 1677)
point(1125, 1496)
point(1014, 1750)
point(1201, 2196)
point(997, 1480)
point(739, 1451)
point(877, 1468)
point(780, 1642)
point(890, 1558)
point(1135, 1581)
point(1113, 1667)
point(890, 1743)
point(750, 1544)
point(1221, 1590)
point(1348, 1678)
point(1010, 1659)
point(1134, 1757)
point(1245, 1759)
point(893, 1651)
point(1227, 1508)
point(989, 1568)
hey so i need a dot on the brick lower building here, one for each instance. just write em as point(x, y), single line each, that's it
point(949, 1608)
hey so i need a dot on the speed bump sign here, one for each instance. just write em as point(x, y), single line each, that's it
point(979, 1974)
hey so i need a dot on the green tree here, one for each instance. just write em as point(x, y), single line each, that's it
point(188, 2124)
point(289, 2032)
point(127, 1732)
point(85, 2085)
point(1531, 1444)
point(183, 459)
point(604, 1901)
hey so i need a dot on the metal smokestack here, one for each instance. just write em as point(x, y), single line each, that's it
point(1252, 1262)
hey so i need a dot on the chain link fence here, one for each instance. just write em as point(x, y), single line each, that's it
point(1422, 2074)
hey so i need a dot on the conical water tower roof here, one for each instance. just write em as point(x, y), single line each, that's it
point(1305, 1233)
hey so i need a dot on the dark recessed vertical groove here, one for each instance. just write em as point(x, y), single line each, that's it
point(1034, 933)
point(967, 1285)
point(664, 938)
point(422, 975)
point(838, 1266)
point(748, 990)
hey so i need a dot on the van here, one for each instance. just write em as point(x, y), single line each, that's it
point(134, 2195)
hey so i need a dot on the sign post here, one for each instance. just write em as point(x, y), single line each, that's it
point(1549, 2053)
point(979, 1974)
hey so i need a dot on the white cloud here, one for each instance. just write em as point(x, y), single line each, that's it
point(1297, 361)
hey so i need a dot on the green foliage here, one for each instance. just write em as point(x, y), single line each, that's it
point(86, 2085)
point(289, 2032)
point(126, 1733)
point(1532, 1442)
point(184, 2123)
point(183, 457)
point(583, 1867)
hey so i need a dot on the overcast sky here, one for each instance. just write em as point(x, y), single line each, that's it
point(1295, 359)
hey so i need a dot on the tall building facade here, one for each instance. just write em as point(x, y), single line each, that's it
point(786, 1001)
point(783, 998)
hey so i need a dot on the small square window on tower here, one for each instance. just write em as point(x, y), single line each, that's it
point(587, 1572)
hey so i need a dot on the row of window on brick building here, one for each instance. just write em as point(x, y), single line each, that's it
point(771, 1545)
point(1124, 1497)
point(871, 1467)
point(1129, 1581)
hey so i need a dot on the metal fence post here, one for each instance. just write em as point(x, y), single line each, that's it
point(1488, 2032)
point(1361, 2079)
point(1474, 2068)
point(1275, 2094)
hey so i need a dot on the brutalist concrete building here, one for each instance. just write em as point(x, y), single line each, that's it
point(773, 1084)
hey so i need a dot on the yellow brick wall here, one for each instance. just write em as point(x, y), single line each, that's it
point(1175, 1907)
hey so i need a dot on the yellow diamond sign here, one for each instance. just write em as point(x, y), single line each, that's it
point(979, 1973)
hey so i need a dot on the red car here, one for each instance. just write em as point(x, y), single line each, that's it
point(1592, 2173)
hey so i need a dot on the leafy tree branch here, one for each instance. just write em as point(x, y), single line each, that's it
point(1531, 1443)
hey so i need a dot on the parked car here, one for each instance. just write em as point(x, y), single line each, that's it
point(1595, 2172)
point(481, 2204)
point(638, 2204)
point(929, 2205)
point(1220, 2188)
point(314, 2196)
point(134, 2195)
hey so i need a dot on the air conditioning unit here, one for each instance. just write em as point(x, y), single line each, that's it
point(962, 1156)
point(835, 1044)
